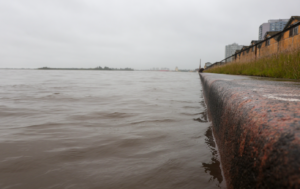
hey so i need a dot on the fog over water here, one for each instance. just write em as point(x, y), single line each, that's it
point(102, 129)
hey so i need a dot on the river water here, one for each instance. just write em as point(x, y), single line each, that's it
point(105, 129)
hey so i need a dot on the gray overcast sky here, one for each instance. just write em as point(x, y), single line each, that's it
point(129, 33)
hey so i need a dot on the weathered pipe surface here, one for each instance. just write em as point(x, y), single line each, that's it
point(256, 123)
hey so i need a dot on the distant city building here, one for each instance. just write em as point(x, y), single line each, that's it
point(230, 50)
point(272, 25)
point(207, 64)
point(263, 29)
point(176, 69)
point(164, 69)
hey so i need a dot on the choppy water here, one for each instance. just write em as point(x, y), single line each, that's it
point(102, 129)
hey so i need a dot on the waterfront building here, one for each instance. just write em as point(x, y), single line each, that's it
point(272, 25)
point(230, 50)
point(207, 64)
point(176, 69)
point(275, 42)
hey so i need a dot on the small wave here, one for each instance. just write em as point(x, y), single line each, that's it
point(191, 107)
point(191, 114)
point(13, 112)
point(103, 115)
point(154, 121)
point(50, 125)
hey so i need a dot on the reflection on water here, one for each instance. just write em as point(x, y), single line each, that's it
point(101, 129)
point(212, 168)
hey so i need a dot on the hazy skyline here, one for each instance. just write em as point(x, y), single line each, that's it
point(136, 34)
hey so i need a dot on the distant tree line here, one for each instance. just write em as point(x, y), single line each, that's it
point(108, 68)
point(97, 68)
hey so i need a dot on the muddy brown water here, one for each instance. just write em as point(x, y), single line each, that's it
point(102, 129)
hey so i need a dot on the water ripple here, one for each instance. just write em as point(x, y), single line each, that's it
point(82, 129)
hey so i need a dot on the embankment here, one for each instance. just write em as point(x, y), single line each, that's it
point(279, 65)
point(256, 124)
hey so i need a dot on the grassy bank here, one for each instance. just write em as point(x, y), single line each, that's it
point(281, 65)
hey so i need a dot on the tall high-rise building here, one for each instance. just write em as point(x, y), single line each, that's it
point(272, 25)
point(230, 50)
point(263, 29)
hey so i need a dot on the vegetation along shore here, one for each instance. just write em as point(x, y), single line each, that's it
point(279, 65)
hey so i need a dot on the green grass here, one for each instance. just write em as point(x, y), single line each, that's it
point(281, 65)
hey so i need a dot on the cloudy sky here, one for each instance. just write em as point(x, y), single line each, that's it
point(139, 34)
